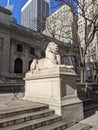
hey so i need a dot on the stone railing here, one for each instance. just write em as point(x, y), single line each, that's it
point(88, 92)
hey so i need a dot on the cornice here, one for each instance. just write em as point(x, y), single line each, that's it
point(4, 10)
point(26, 32)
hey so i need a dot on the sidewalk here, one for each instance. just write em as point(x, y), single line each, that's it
point(10, 106)
point(92, 120)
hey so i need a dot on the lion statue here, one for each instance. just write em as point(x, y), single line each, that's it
point(52, 58)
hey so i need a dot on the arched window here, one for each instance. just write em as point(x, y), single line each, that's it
point(29, 64)
point(18, 66)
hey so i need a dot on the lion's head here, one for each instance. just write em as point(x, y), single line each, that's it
point(52, 47)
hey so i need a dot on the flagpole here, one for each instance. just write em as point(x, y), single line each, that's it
point(8, 2)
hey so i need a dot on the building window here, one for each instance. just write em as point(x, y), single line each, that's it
point(18, 66)
point(19, 47)
point(32, 51)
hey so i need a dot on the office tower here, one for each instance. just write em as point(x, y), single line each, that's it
point(90, 10)
point(87, 11)
point(59, 25)
point(34, 14)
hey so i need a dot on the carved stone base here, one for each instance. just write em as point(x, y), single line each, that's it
point(56, 87)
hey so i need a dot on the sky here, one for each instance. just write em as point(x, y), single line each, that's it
point(18, 4)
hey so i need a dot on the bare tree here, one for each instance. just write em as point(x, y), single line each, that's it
point(80, 8)
point(60, 25)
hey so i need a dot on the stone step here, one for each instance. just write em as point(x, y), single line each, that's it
point(33, 124)
point(79, 127)
point(18, 110)
point(96, 112)
point(61, 125)
point(94, 127)
point(25, 117)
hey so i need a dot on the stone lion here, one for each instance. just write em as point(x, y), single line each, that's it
point(52, 57)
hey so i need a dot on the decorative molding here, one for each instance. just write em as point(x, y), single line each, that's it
point(4, 10)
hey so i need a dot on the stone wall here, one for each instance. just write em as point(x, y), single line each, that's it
point(5, 52)
point(88, 92)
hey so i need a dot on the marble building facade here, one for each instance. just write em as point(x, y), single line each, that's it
point(20, 45)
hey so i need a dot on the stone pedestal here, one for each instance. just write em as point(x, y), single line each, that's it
point(56, 87)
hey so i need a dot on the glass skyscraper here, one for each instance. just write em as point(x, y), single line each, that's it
point(34, 14)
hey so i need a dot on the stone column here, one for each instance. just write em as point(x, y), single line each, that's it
point(5, 54)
